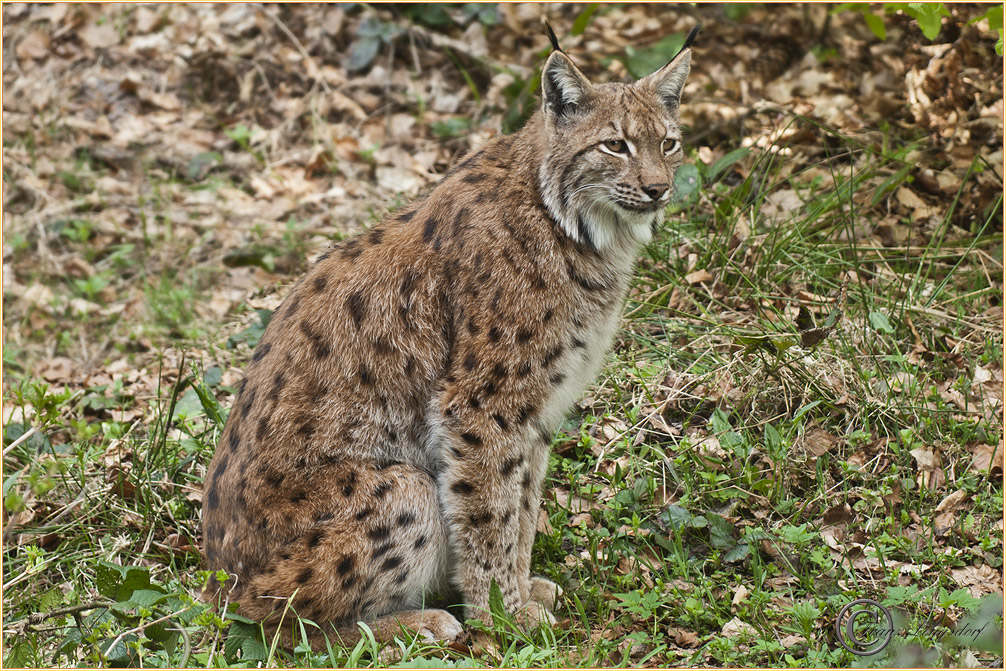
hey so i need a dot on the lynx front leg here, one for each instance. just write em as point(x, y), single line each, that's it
point(481, 495)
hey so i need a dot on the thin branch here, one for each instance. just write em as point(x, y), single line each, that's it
point(136, 630)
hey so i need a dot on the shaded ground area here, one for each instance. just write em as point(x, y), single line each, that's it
point(805, 405)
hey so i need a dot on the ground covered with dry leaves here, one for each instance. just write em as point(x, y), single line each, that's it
point(804, 407)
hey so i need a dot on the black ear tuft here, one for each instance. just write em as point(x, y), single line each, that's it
point(552, 38)
point(691, 37)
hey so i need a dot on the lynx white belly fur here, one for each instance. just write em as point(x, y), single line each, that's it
point(391, 435)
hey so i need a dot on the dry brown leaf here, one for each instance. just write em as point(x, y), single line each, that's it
point(740, 594)
point(55, 369)
point(839, 514)
point(987, 458)
point(737, 627)
point(817, 442)
point(99, 36)
point(35, 45)
point(698, 277)
point(953, 501)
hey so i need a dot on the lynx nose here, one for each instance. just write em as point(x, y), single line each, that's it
point(655, 191)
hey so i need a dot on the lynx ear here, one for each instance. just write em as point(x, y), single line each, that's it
point(563, 86)
point(670, 79)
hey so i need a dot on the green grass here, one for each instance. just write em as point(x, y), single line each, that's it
point(806, 370)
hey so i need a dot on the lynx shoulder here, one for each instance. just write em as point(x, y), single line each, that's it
point(391, 436)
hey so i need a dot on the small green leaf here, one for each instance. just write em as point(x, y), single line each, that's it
point(686, 182)
point(641, 62)
point(721, 532)
point(876, 25)
point(928, 15)
point(496, 606)
point(737, 552)
point(363, 51)
point(879, 322)
point(677, 517)
point(725, 161)
point(582, 19)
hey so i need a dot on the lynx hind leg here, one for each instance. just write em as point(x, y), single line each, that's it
point(376, 547)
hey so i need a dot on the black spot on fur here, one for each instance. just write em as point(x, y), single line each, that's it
point(260, 352)
point(277, 386)
point(524, 414)
point(379, 533)
point(315, 538)
point(475, 402)
point(351, 251)
point(306, 428)
point(357, 306)
point(305, 575)
point(323, 517)
point(391, 563)
point(526, 482)
point(410, 366)
point(507, 469)
point(345, 565)
point(500, 421)
point(429, 228)
point(349, 582)
point(462, 487)
point(348, 489)
point(470, 362)
point(381, 550)
point(263, 428)
point(364, 514)
point(420, 542)
point(233, 442)
point(473, 328)
point(524, 335)
point(478, 519)
point(547, 317)
point(551, 356)
point(298, 496)
point(499, 371)
point(320, 348)
point(291, 308)
point(375, 236)
point(506, 520)
point(407, 216)
point(274, 478)
point(474, 177)
point(382, 488)
point(524, 369)
point(471, 439)
point(494, 334)
point(319, 283)
point(364, 374)
point(406, 518)
point(401, 577)
point(213, 500)
point(558, 378)
point(249, 402)
point(577, 343)
point(382, 346)
point(385, 464)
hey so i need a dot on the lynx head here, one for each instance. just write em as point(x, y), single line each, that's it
point(612, 150)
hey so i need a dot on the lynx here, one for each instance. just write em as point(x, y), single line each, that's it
point(391, 436)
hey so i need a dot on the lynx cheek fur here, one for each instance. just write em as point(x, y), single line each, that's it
point(391, 435)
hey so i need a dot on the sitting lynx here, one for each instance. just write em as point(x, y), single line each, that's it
point(392, 433)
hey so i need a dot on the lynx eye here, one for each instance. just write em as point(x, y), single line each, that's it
point(616, 146)
point(670, 145)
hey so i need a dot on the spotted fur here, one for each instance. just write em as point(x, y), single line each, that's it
point(392, 433)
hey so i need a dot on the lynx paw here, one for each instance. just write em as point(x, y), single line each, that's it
point(545, 592)
point(534, 613)
point(439, 626)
